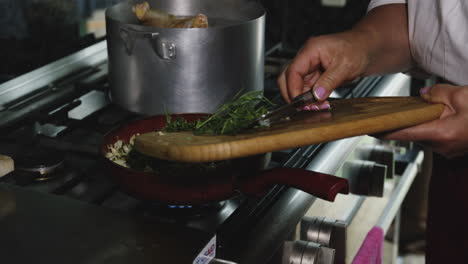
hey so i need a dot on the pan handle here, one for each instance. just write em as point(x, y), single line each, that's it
point(321, 185)
point(165, 50)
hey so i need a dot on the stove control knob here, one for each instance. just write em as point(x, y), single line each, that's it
point(407, 145)
point(365, 177)
point(318, 230)
point(381, 154)
point(327, 232)
point(304, 252)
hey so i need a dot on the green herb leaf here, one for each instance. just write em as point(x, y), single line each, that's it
point(229, 119)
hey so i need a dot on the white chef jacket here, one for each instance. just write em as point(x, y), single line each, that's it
point(438, 35)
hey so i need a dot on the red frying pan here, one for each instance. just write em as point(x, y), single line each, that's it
point(244, 175)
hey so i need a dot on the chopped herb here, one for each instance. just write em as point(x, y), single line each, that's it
point(177, 124)
point(229, 119)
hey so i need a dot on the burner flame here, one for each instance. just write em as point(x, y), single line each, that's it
point(180, 206)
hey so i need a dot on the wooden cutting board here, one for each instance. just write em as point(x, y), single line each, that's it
point(347, 118)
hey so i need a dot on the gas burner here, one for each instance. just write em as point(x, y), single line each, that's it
point(41, 165)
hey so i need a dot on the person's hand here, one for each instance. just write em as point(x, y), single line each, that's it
point(449, 134)
point(377, 44)
point(323, 64)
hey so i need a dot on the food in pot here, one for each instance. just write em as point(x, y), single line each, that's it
point(158, 18)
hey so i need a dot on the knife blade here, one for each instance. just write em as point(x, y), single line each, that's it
point(282, 113)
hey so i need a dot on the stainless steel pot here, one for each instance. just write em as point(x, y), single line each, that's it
point(185, 70)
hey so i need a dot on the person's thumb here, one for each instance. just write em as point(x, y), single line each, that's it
point(439, 93)
point(328, 81)
point(434, 94)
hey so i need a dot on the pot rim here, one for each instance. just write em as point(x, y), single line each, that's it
point(261, 13)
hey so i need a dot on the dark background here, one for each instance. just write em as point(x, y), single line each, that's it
point(36, 32)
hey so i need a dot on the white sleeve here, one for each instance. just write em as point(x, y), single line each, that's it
point(376, 3)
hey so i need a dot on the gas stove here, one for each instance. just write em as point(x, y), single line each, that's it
point(61, 206)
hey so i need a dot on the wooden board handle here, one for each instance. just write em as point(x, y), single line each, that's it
point(6, 165)
point(321, 185)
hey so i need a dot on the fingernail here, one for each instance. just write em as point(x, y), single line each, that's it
point(315, 107)
point(306, 108)
point(324, 106)
point(320, 92)
point(425, 90)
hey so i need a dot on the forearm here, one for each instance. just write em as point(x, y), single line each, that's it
point(384, 34)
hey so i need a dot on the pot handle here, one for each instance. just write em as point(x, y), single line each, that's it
point(321, 185)
point(165, 50)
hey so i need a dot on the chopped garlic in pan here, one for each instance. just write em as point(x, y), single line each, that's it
point(118, 152)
